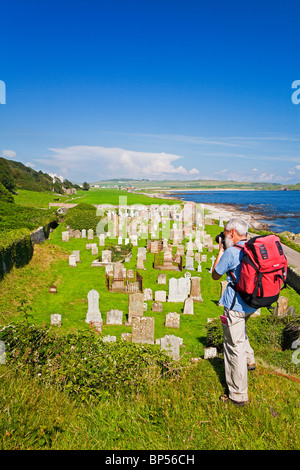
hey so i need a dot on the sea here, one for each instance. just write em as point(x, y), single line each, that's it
point(279, 209)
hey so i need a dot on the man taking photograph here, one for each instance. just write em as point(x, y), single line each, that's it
point(238, 354)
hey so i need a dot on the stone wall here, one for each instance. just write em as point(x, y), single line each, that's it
point(293, 279)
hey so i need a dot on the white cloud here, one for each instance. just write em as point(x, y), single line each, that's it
point(194, 171)
point(297, 167)
point(94, 162)
point(8, 153)
point(31, 165)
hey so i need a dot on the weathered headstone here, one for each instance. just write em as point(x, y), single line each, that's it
point(179, 289)
point(76, 253)
point(65, 236)
point(114, 317)
point(172, 320)
point(195, 289)
point(90, 234)
point(135, 306)
point(94, 249)
point(210, 353)
point(72, 261)
point(83, 233)
point(101, 239)
point(160, 296)
point(109, 339)
point(148, 295)
point(93, 313)
point(171, 345)
point(56, 319)
point(161, 278)
point(77, 234)
point(106, 256)
point(281, 308)
point(188, 308)
point(189, 263)
point(143, 330)
point(157, 307)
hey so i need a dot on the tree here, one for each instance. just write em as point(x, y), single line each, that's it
point(85, 186)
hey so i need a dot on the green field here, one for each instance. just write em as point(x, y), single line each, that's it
point(93, 196)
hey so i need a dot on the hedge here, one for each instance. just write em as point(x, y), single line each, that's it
point(16, 250)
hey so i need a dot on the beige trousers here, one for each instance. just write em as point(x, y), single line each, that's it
point(238, 353)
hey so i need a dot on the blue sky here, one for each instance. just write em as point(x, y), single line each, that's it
point(152, 89)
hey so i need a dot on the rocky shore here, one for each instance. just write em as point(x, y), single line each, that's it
point(229, 211)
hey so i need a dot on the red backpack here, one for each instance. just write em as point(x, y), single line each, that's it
point(263, 271)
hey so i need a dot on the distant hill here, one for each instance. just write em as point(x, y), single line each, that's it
point(184, 185)
point(15, 175)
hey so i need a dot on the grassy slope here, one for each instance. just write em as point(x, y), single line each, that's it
point(93, 196)
point(181, 414)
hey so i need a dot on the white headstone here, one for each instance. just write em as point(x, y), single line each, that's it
point(93, 313)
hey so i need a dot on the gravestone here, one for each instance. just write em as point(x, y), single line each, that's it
point(189, 263)
point(101, 239)
point(65, 236)
point(77, 234)
point(72, 261)
point(114, 317)
point(195, 289)
point(148, 295)
point(180, 250)
point(281, 308)
point(161, 278)
point(93, 313)
point(109, 339)
point(76, 253)
point(210, 353)
point(160, 296)
point(94, 249)
point(135, 306)
point(154, 246)
point(172, 320)
point(157, 307)
point(83, 233)
point(56, 319)
point(143, 330)
point(96, 326)
point(190, 248)
point(204, 258)
point(188, 308)
point(90, 234)
point(126, 336)
point(140, 262)
point(130, 274)
point(106, 256)
point(171, 345)
point(179, 289)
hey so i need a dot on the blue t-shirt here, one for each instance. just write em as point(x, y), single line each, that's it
point(231, 261)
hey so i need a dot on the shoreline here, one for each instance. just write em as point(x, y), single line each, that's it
point(225, 210)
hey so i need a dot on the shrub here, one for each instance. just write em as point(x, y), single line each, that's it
point(81, 363)
point(82, 216)
point(5, 195)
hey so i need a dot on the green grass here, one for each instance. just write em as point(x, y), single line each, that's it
point(37, 199)
point(93, 196)
point(182, 411)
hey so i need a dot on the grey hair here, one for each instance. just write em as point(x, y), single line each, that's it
point(239, 225)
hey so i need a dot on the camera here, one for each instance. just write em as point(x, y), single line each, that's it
point(221, 237)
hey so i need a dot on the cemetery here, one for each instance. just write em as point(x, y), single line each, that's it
point(156, 279)
point(153, 278)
